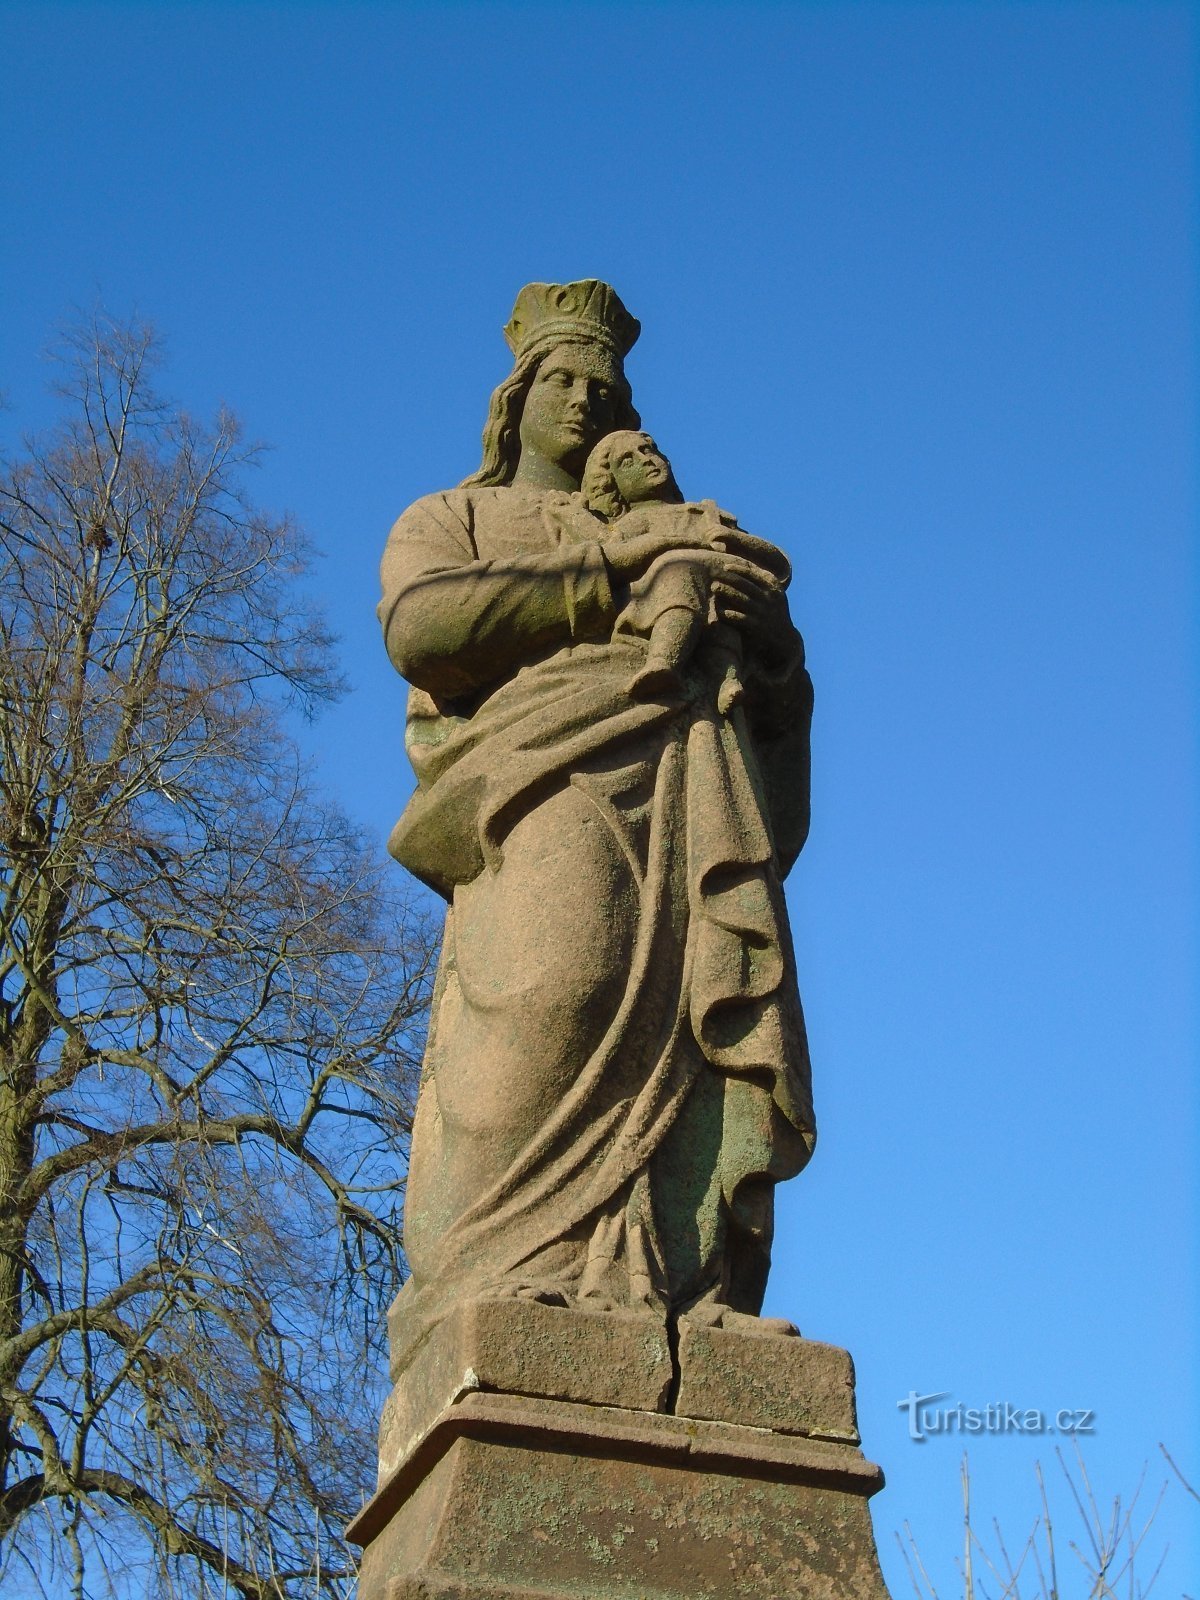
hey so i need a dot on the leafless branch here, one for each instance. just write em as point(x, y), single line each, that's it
point(211, 1019)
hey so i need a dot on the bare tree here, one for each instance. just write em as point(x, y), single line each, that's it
point(211, 1007)
point(1104, 1543)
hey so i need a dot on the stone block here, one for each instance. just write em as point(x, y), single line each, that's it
point(508, 1498)
point(791, 1385)
point(523, 1348)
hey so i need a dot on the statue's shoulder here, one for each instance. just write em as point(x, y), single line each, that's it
point(452, 504)
point(461, 505)
point(442, 521)
point(486, 522)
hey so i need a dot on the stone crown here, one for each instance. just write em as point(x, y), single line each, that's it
point(546, 313)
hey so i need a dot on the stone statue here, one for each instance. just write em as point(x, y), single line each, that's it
point(608, 719)
point(617, 1074)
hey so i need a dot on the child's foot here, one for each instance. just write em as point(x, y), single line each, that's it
point(654, 682)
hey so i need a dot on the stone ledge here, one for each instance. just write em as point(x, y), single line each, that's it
point(619, 1359)
point(511, 1498)
point(630, 1436)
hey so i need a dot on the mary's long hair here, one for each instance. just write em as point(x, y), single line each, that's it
point(502, 430)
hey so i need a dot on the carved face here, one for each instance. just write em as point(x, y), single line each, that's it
point(639, 468)
point(571, 403)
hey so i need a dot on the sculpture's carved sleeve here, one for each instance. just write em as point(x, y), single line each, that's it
point(780, 703)
point(455, 623)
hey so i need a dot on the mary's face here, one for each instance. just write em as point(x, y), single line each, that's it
point(570, 405)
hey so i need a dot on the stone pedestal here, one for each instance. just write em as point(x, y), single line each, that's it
point(535, 1453)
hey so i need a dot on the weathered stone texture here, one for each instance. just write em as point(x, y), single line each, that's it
point(792, 1385)
point(520, 1347)
point(511, 1496)
point(491, 1487)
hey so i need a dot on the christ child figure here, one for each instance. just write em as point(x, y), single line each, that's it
point(628, 481)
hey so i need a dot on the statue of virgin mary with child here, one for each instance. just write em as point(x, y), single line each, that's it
point(617, 1074)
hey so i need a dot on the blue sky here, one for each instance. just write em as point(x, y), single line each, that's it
point(917, 291)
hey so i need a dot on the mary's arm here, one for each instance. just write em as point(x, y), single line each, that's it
point(779, 703)
point(455, 624)
point(779, 697)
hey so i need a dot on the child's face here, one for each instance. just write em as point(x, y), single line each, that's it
point(639, 469)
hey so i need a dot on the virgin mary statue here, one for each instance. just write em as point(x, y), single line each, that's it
point(617, 1074)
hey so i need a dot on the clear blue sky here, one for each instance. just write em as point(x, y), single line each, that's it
point(917, 287)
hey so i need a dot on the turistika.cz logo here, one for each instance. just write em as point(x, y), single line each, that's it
point(928, 1418)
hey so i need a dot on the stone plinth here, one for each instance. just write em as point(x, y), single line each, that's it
point(535, 1453)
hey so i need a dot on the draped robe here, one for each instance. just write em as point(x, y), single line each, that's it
point(616, 1073)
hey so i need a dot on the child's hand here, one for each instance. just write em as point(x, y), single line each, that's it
point(632, 558)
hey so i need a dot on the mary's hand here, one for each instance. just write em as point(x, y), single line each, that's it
point(753, 602)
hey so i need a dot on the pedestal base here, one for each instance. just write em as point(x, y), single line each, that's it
point(488, 1495)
